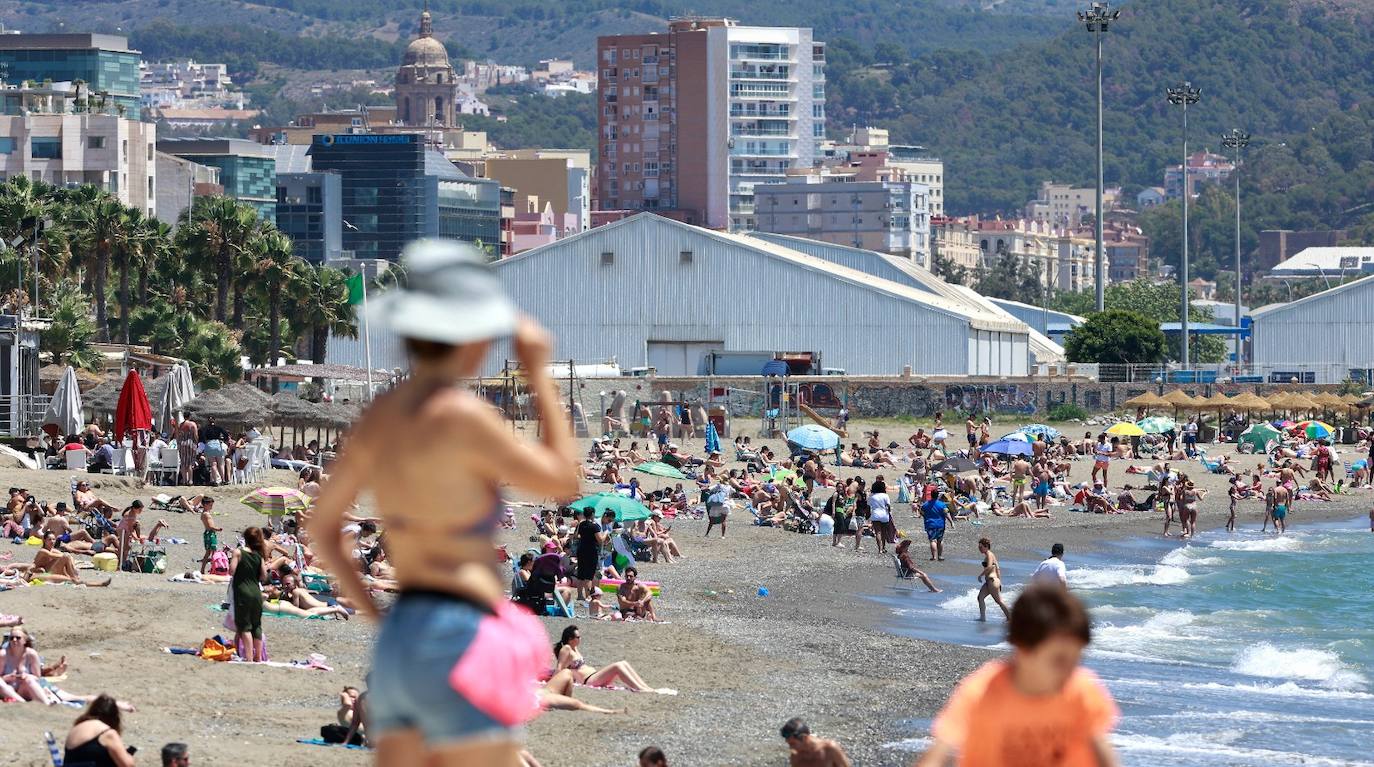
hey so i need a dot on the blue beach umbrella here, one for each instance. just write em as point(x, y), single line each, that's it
point(1037, 429)
point(1017, 436)
point(1007, 447)
point(813, 437)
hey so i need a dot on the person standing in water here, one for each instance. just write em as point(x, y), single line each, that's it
point(991, 576)
point(455, 662)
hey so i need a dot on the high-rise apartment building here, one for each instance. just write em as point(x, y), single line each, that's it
point(691, 119)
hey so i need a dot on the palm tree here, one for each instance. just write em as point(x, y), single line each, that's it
point(157, 247)
point(128, 253)
point(218, 230)
point(100, 229)
point(324, 308)
point(68, 337)
point(277, 269)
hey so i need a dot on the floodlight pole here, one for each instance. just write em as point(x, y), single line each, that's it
point(1096, 19)
point(1184, 95)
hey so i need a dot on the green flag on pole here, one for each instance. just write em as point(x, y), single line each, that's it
point(355, 289)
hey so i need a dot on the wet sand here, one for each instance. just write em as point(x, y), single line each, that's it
point(742, 663)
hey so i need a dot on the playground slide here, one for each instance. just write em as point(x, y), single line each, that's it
point(822, 420)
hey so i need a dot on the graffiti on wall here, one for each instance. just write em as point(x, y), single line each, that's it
point(990, 398)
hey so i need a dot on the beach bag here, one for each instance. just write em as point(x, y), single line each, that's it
point(853, 523)
point(508, 653)
point(213, 650)
point(219, 564)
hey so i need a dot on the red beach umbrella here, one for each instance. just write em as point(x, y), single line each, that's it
point(132, 413)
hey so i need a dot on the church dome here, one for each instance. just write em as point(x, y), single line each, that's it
point(425, 50)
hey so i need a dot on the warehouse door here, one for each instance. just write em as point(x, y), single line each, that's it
point(681, 358)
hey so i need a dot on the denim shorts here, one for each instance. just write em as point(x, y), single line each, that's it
point(420, 642)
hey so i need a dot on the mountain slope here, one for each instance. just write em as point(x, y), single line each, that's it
point(1005, 122)
point(524, 31)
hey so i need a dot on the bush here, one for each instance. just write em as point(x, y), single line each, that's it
point(1067, 412)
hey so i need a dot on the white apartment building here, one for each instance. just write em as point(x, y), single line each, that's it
point(187, 83)
point(885, 216)
point(1062, 260)
point(1066, 205)
point(50, 143)
point(776, 107)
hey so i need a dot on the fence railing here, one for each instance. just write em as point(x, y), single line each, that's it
point(21, 414)
point(1328, 373)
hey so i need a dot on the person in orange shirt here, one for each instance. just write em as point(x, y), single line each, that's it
point(1037, 708)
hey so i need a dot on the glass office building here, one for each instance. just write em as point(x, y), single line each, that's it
point(104, 62)
point(308, 211)
point(395, 189)
point(247, 169)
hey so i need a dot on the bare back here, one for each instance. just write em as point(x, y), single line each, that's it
point(436, 510)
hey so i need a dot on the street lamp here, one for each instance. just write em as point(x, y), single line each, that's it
point(1237, 140)
point(1184, 95)
point(1096, 19)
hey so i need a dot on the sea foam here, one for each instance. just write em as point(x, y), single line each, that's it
point(1321, 666)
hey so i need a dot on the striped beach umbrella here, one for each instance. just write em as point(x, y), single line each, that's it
point(276, 500)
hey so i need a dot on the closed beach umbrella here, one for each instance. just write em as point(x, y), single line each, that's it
point(1156, 424)
point(813, 437)
point(179, 392)
point(1036, 429)
point(64, 409)
point(132, 412)
point(1259, 436)
point(1126, 429)
point(712, 438)
point(1007, 447)
point(660, 469)
point(626, 508)
point(276, 500)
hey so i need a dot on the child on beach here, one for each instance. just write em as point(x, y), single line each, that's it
point(1037, 708)
point(210, 535)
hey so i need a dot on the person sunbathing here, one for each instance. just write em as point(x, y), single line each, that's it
point(21, 670)
point(277, 602)
point(1025, 508)
point(567, 651)
point(635, 599)
point(87, 501)
point(304, 598)
point(58, 566)
point(557, 693)
point(1098, 503)
point(1319, 489)
point(657, 536)
point(909, 568)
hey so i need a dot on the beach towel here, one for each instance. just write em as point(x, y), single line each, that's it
point(230, 617)
point(319, 742)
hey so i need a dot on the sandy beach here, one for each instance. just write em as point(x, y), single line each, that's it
point(741, 663)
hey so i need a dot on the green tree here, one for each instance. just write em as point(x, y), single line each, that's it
point(218, 231)
point(1116, 336)
point(1012, 277)
point(68, 338)
point(323, 297)
point(101, 232)
point(276, 270)
point(946, 269)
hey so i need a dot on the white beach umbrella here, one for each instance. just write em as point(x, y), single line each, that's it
point(180, 390)
point(64, 409)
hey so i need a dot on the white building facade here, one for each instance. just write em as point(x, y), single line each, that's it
point(109, 151)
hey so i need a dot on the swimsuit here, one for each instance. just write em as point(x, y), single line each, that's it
point(90, 754)
point(1280, 511)
point(210, 539)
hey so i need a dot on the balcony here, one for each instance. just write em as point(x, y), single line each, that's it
point(760, 74)
point(743, 111)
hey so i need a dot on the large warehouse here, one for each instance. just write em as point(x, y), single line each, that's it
point(1330, 334)
point(655, 292)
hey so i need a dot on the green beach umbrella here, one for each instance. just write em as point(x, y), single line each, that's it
point(660, 469)
point(1259, 437)
point(626, 508)
point(1155, 424)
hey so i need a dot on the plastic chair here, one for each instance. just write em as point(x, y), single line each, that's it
point(119, 464)
point(76, 460)
point(169, 462)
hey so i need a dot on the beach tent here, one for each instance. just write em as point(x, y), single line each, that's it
point(64, 409)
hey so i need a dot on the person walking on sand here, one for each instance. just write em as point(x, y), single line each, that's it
point(209, 536)
point(1036, 707)
point(249, 568)
point(454, 660)
point(934, 514)
point(1102, 457)
point(991, 576)
point(1020, 473)
point(807, 750)
point(1282, 500)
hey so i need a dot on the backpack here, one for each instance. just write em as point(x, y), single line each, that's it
point(219, 563)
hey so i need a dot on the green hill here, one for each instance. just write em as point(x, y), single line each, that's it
point(1004, 122)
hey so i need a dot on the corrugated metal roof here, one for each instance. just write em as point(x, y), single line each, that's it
point(1268, 309)
point(977, 319)
point(1319, 259)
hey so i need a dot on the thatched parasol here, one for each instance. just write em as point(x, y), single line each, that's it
point(1148, 399)
point(340, 415)
point(289, 409)
point(1301, 402)
point(1328, 399)
point(103, 398)
point(49, 375)
point(1180, 399)
point(228, 410)
point(1217, 401)
point(1251, 401)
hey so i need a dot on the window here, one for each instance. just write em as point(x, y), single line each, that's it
point(685, 257)
point(150, 152)
point(6, 145)
point(95, 142)
point(607, 258)
point(125, 147)
point(45, 148)
point(314, 195)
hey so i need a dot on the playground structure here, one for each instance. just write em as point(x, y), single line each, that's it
point(785, 405)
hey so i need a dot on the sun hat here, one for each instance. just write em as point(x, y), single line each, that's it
point(451, 296)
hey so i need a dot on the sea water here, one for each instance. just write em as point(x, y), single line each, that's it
point(1236, 649)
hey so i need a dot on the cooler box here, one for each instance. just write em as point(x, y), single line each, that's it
point(104, 561)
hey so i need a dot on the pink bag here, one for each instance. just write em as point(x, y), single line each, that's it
point(498, 672)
